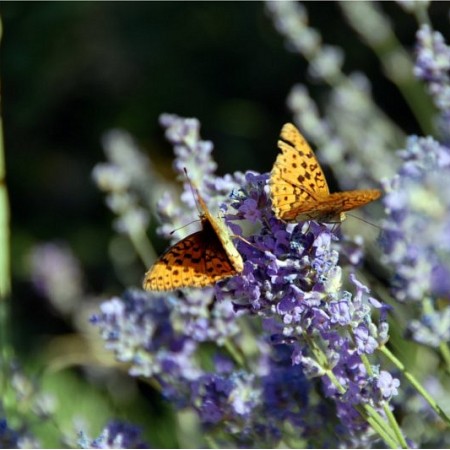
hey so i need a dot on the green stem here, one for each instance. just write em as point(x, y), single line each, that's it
point(377, 423)
point(143, 247)
point(235, 353)
point(415, 383)
point(5, 283)
point(394, 425)
point(368, 413)
point(445, 352)
point(421, 14)
point(5, 280)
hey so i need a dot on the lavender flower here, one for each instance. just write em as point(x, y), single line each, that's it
point(292, 278)
point(56, 274)
point(126, 177)
point(387, 384)
point(137, 328)
point(416, 230)
point(433, 67)
point(8, 437)
point(22, 405)
point(115, 435)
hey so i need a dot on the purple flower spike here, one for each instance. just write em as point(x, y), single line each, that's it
point(115, 435)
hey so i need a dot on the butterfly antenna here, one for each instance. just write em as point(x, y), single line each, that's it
point(183, 226)
point(362, 220)
point(241, 238)
point(194, 189)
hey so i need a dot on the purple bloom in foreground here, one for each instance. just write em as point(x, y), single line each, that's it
point(138, 329)
point(292, 279)
point(115, 435)
point(387, 385)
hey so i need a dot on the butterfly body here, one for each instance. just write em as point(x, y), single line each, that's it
point(200, 259)
point(298, 188)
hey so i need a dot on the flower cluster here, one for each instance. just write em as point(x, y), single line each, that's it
point(115, 435)
point(292, 280)
point(126, 178)
point(415, 233)
point(433, 67)
point(11, 438)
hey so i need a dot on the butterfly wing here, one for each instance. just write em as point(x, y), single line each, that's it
point(298, 187)
point(198, 260)
point(222, 233)
point(297, 180)
point(333, 207)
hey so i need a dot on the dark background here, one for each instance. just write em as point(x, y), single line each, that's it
point(71, 71)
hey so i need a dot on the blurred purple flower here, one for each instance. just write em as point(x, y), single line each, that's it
point(56, 274)
point(417, 205)
point(416, 233)
point(433, 67)
point(116, 434)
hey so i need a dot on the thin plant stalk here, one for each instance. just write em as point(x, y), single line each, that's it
point(415, 383)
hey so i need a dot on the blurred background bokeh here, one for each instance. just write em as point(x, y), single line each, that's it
point(72, 71)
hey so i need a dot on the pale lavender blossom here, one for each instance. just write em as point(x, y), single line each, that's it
point(417, 205)
point(415, 233)
point(433, 67)
point(116, 434)
point(56, 274)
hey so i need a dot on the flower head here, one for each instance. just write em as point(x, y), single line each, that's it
point(116, 434)
point(415, 233)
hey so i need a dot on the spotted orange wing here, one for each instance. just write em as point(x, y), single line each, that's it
point(298, 188)
point(200, 259)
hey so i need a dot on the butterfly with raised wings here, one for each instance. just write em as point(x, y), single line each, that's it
point(298, 188)
point(200, 259)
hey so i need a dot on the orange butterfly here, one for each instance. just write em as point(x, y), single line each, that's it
point(200, 259)
point(298, 188)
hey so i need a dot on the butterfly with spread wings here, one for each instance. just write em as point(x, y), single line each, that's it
point(298, 188)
